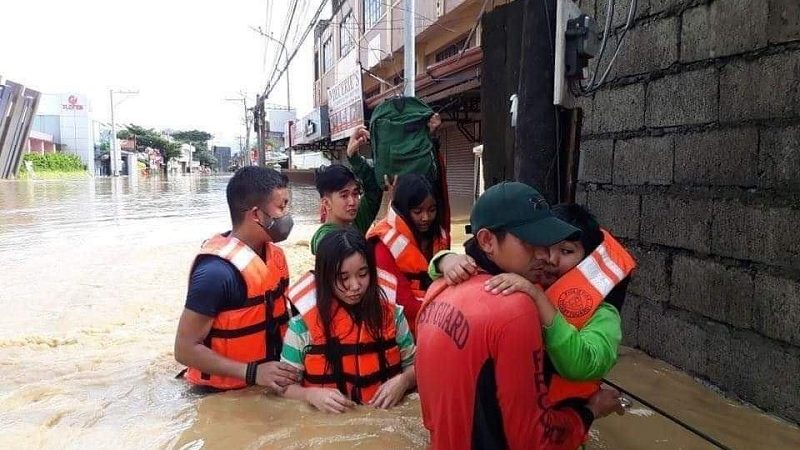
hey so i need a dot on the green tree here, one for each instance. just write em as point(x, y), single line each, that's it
point(199, 139)
point(148, 137)
point(205, 158)
point(170, 151)
point(194, 137)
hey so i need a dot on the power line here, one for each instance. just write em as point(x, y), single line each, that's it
point(472, 31)
point(577, 86)
point(280, 51)
point(286, 31)
point(268, 89)
point(368, 49)
point(301, 17)
point(267, 21)
point(658, 410)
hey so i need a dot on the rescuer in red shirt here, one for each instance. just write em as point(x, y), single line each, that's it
point(480, 357)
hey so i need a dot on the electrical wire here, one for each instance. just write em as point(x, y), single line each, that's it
point(283, 40)
point(268, 89)
point(416, 14)
point(267, 17)
point(472, 30)
point(368, 49)
point(658, 410)
point(594, 84)
point(556, 161)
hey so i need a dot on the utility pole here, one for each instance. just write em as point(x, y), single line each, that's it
point(241, 150)
point(243, 99)
point(115, 161)
point(536, 151)
point(409, 49)
point(259, 126)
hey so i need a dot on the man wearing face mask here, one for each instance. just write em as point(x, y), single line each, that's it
point(231, 331)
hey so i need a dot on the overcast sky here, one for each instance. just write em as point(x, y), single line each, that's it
point(185, 57)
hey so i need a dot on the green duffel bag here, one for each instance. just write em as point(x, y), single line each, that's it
point(400, 140)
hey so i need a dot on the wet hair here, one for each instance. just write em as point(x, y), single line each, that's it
point(250, 186)
point(332, 250)
point(578, 216)
point(333, 178)
point(411, 190)
point(591, 236)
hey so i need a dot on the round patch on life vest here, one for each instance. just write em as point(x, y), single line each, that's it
point(574, 303)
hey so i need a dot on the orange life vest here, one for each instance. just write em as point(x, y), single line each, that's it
point(577, 295)
point(398, 237)
point(253, 332)
point(363, 362)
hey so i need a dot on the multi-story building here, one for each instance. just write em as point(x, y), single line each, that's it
point(66, 119)
point(358, 63)
point(223, 155)
point(186, 162)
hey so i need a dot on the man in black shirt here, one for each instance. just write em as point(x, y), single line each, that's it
point(231, 329)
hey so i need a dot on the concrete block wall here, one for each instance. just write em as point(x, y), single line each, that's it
point(691, 154)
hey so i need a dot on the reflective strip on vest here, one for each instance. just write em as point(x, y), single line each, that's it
point(615, 269)
point(577, 295)
point(243, 258)
point(228, 248)
point(388, 283)
point(602, 270)
point(595, 276)
point(252, 332)
point(303, 294)
point(396, 235)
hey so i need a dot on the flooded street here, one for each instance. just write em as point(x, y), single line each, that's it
point(94, 278)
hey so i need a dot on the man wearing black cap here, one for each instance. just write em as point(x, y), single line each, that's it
point(480, 358)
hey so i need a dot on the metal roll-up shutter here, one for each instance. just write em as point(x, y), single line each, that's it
point(460, 162)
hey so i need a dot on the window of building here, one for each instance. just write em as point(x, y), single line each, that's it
point(373, 10)
point(346, 32)
point(327, 54)
point(450, 51)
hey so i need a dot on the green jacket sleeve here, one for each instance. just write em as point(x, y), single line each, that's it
point(433, 271)
point(589, 353)
point(373, 194)
point(321, 232)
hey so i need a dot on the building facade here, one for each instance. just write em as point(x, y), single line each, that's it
point(66, 119)
point(223, 156)
point(358, 63)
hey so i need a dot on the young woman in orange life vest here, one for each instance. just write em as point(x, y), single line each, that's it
point(407, 238)
point(351, 340)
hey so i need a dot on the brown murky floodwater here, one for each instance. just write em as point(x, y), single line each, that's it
point(93, 278)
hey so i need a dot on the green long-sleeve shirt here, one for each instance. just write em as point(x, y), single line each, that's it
point(578, 355)
point(368, 206)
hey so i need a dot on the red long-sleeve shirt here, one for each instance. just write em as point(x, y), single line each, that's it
point(480, 374)
point(405, 296)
